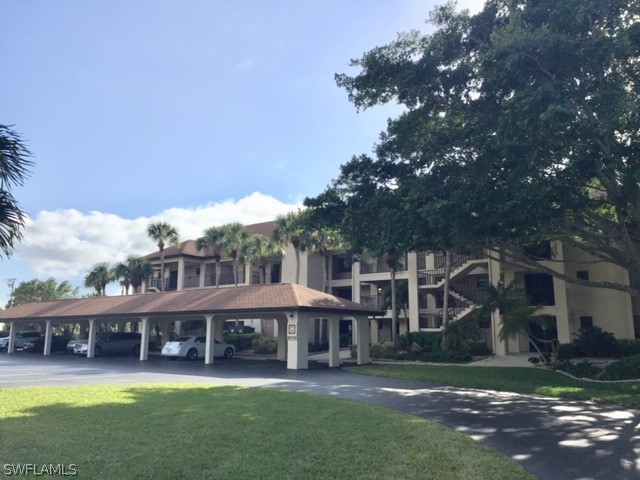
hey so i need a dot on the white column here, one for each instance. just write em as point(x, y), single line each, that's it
point(48, 331)
point(180, 284)
point(12, 337)
point(499, 346)
point(334, 341)
point(203, 271)
point(177, 328)
point(145, 328)
point(210, 339)
point(297, 341)
point(91, 343)
point(282, 338)
point(364, 337)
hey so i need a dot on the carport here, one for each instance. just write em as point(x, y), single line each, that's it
point(292, 306)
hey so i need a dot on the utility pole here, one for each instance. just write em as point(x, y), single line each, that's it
point(10, 283)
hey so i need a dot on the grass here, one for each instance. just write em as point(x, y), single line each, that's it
point(198, 431)
point(512, 379)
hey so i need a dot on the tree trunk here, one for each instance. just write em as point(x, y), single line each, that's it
point(445, 301)
point(162, 270)
point(394, 304)
point(297, 250)
point(217, 273)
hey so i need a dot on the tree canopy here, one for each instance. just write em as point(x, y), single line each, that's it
point(39, 290)
point(521, 124)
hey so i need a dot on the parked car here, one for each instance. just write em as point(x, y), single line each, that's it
point(72, 343)
point(21, 338)
point(58, 344)
point(113, 343)
point(193, 347)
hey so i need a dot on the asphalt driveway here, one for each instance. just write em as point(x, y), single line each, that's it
point(552, 438)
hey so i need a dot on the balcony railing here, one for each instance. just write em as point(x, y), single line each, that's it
point(430, 320)
point(370, 301)
point(156, 283)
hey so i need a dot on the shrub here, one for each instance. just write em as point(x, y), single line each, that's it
point(383, 350)
point(241, 341)
point(629, 347)
point(584, 369)
point(429, 341)
point(475, 348)
point(627, 368)
point(567, 351)
point(265, 345)
point(595, 342)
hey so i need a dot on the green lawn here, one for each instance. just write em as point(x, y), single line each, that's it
point(196, 431)
point(519, 380)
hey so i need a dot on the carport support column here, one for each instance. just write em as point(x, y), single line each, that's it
point(363, 331)
point(282, 339)
point(334, 342)
point(298, 341)
point(145, 327)
point(48, 331)
point(210, 335)
point(91, 343)
point(11, 347)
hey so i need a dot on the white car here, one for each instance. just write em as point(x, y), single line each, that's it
point(193, 347)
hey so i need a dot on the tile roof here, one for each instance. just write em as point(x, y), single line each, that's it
point(228, 300)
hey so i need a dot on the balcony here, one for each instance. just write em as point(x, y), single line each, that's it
point(370, 301)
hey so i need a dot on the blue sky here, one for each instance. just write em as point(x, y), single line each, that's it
point(193, 112)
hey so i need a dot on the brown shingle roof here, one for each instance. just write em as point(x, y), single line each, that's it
point(235, 300)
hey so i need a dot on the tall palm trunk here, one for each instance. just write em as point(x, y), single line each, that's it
point(445, 300)
point(392, 264)
point(162, 268)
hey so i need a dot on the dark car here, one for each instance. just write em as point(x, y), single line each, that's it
point(58, 344)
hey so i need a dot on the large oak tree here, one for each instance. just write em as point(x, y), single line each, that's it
point(528, 114)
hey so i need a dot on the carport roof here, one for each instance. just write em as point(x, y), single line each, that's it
point(228, 300)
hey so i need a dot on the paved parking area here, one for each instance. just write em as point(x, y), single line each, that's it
point(552, 438)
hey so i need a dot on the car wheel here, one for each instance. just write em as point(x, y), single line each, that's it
point(98, 352)
point(136, 350)
point(228, 353)
point(192, 354)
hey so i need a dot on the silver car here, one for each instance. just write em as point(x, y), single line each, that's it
point(21, 339)
point(193, 347)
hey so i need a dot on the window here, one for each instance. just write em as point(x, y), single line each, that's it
point(539, 289)
point(582, 275)
point(586, 322)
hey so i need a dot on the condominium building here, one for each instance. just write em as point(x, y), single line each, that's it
point(572, 306)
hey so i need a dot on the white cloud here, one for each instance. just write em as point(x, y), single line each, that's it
point(67, 243)
point(474, 6)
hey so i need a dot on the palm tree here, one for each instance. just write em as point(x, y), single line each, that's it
point(163, 233)
point(289, 230)
point(139, 269)
point(261, 250)
point(14, 169)
point(98, 278)
point(323, 241)
point(232, 244)
point(516, 315)
point(121, 272)
point(212, 240)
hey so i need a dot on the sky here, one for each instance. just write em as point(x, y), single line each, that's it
point(193, 112)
